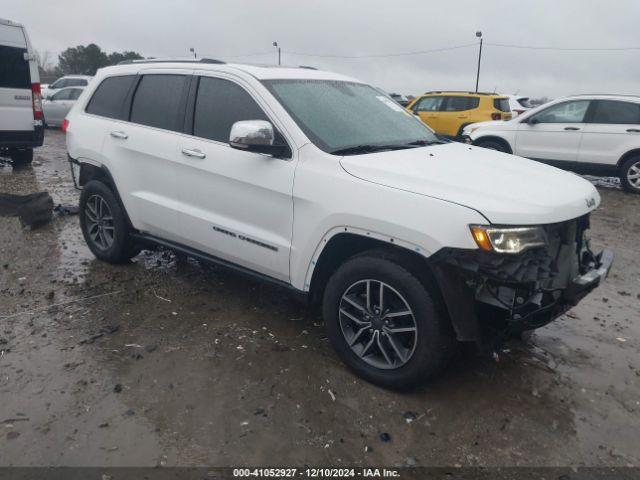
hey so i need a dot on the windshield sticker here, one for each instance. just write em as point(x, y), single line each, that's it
point(390, 103)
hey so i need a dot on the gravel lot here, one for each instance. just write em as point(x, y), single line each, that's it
point(175, 363)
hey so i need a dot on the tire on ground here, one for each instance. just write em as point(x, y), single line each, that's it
point(492, 145)
point(435, 337)
point(123, 247)
point(630, 167)
point(21, 158)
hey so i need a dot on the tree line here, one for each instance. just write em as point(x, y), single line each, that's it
point(82, 60)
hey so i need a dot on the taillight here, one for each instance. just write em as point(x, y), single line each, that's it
point(36, 96)
point(496, 116)
point(65, 126)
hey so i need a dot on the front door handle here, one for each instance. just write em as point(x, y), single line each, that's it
point(571, 128)
point(119, 134)
point(633, 130)
point(193, 153)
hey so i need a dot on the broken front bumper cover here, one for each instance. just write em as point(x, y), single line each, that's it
point(488, 293)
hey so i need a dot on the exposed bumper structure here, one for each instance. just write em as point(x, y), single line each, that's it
point(491, 295)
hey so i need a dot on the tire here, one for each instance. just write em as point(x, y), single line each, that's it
point(104, 224)
point(424, 354)
point(492, 145)
point(630, 175)
point(22, 158)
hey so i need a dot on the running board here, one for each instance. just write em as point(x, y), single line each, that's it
point(210, 259)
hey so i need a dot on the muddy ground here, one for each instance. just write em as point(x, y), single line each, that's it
point(170, 363)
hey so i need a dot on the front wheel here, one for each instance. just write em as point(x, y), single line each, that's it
point(22, 158)
point(384, 323)
point(491, 145)
point(630, 175)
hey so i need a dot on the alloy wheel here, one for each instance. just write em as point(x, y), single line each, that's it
point(378, 324)
point(99, 222)
point(633, 175)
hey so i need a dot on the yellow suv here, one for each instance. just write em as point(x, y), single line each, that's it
point(447, 113)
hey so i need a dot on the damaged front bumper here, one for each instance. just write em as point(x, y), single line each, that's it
point(491, 295)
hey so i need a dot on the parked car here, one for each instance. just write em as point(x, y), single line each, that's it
point(65, 82)
point(401, 99)
point(518, 104)
point(447, 113)
point(21, 122)
point(593, 134)
point(58, 105)
point(406, 241)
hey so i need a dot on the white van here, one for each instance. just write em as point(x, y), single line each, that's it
point(21, 116)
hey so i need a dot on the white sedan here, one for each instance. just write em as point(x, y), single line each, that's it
point(592, 134)
point(58, 105)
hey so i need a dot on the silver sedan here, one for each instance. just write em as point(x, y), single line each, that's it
point(58, 105)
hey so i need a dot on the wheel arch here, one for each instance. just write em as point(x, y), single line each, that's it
point(627, 156)
point(494, 138)
point(338, 246)
point(90, 171)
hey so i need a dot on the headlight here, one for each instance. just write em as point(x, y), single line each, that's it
point(509, 239)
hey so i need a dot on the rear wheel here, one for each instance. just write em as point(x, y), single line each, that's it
point(22, 158)
point(630, 175)
point(492, 145)
point(104, 224)
point(384, 323)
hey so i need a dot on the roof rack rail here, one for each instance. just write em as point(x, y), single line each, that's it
point(173, 60)
point(307, 67)
point(462, 91)
point(604, 95)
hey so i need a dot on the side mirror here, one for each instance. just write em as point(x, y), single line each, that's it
point(533, 121)
point(256, 136)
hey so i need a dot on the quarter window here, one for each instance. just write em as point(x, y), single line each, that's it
point(158, 101)
point(567, 112)
point(460, 104)
point(429, 104)
point(108, 99)
point(609, 111)
point(219, 104)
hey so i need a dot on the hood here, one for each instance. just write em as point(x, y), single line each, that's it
point(506, 189)
point(485, 124)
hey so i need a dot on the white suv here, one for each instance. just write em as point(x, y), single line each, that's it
point(324, 185)
point(592, 134)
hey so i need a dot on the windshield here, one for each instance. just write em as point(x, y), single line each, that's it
point(338, 115)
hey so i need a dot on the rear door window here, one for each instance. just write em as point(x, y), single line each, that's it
point(428, 104)
point(502, 104)
point(610, 111)
point(158, 101)
point(460, 104)
point(14, 69)
point(108, 99)
point(63, 94)
point(219, 104)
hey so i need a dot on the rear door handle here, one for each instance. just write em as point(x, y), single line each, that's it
point(571, 128)
point(193, 153)
point(633, 130)
point(119, 134)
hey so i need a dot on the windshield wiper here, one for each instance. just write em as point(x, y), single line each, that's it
point(366, 148)
point(424, 143)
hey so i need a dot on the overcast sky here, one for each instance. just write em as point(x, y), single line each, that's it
point(225, 28)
